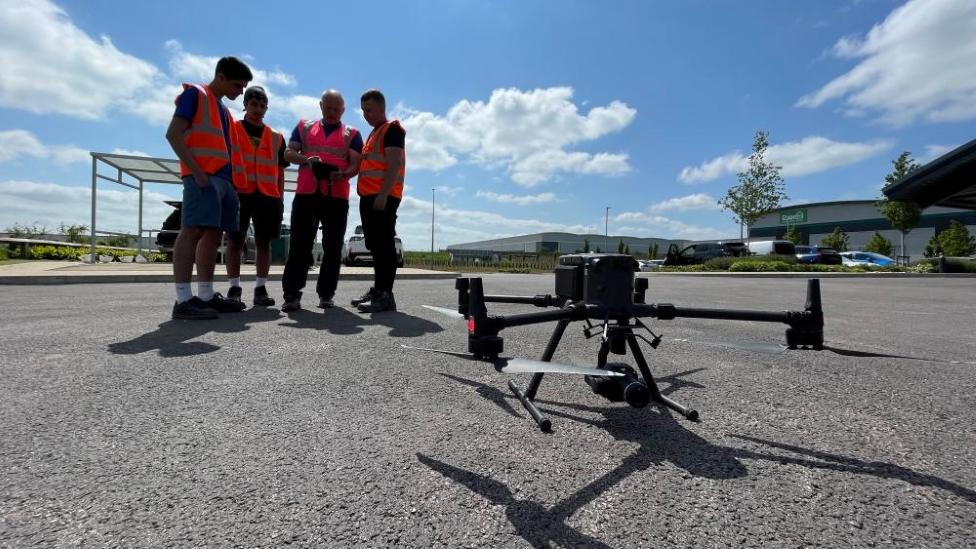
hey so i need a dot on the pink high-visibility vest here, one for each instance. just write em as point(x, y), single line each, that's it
point(332, 149)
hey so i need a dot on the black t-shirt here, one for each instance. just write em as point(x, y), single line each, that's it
point(254, 132)
point(395, 137)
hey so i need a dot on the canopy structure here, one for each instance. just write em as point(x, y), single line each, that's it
point(949, 181)
point(140, 170)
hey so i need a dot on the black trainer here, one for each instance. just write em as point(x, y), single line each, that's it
point(326, 303)
point(221, 304)
point(234, 294)
point(261, 297)
point(382, 301)
point(291, 305)
point(364, 298)
point(193, 309)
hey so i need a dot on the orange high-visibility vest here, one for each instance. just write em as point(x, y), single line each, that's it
point(260, 164)
point(374, 163)
point(205, 138)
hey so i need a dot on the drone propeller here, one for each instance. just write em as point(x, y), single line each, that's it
point(527, 366)
point(754, 346)
point(778, 348)
point(451, 313)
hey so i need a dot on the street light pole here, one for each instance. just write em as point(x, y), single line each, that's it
point(432, 224)
point(606, 229)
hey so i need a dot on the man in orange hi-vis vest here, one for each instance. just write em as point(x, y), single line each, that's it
point(261, 195)
point(202, 136)
point(380, 188)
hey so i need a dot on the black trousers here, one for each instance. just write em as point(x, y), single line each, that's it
point(307, 212)
point(379, 230)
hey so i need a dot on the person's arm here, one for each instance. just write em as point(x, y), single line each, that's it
point(294, 154)
point(394, 159)
point(174, 134)
point(281, 170)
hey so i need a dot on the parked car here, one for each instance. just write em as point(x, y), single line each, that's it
point(166, 237)
point(700, 253)
point(356, 253)
point(772, 247)
point(866, 258)
point(818, 255)
point(646, 265)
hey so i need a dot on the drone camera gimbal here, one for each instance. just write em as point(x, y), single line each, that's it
point(603, 288)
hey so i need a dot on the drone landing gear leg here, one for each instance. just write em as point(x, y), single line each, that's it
point(656, 395)
point(528, 396)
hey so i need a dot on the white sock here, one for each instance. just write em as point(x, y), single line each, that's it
point(184, 292)
point(235, 282)
point(205, 290)
point(258, 281)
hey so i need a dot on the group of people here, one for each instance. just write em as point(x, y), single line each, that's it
point(233, 174)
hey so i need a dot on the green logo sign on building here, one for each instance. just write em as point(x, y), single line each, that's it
point(792, 217)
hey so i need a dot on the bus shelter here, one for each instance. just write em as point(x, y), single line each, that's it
point(135, 172)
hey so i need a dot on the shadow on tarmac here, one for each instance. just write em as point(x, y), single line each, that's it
point(172, 338)
point(341, 321)
point(661, 439)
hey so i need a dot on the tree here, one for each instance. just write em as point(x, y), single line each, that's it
point(793, 235)
point(837, 240)
point(24, 231)
point(627, 249)
point(586, 245)
point(75, 233)
point(760, 189)
point(933, 248)
point(620, 247)
point(878, 244)
point(956, 240)
point(902, 215)
point(654, 251)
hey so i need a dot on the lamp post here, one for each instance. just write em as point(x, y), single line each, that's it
point(432, 224)
point(606, 228)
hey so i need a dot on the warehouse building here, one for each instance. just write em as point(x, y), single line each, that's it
point(859, 219)
point(557, 243)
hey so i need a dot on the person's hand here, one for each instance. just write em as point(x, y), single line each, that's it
point(337, 175)
point(201, 178)
point(380, 203)
point(309, 160)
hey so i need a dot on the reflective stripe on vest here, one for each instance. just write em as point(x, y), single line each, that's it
point(372, 168)
point(332, 149)
point(261, 164)
point(205, 138)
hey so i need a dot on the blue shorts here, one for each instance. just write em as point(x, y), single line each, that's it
point(215, 205)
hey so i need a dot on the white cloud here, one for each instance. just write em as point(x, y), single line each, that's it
point(916, 64)
point(51, 66)
point(448, 190)
point(523, 200)
point(129, 152)
point(19, 144)
point(50, 204)
point(527, 132)
point(699, 201)
point(810, 155)
point(650, 225)
point(934, 151)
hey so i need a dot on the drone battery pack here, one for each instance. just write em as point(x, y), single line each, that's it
point(569, 282)
point(605, 280)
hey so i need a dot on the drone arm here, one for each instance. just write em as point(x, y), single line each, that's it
point(537, 300)
point(569, 313)
point(666, 311)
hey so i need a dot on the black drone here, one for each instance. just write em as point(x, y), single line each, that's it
point(602, 288)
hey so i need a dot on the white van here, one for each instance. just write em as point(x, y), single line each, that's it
point(773, 247)
point(356, 253)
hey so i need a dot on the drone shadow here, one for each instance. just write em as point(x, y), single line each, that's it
point(341, 321)
point(172, 337)
point(815, 459)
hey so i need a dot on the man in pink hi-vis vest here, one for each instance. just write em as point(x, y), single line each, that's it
point(327, 152)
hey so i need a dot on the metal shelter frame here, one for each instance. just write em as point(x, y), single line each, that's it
point(143, 169)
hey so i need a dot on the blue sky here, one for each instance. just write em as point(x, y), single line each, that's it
point(526, 116)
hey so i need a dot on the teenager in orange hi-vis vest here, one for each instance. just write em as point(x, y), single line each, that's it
point(380, 189)
point(261, 194)
point(202, 136)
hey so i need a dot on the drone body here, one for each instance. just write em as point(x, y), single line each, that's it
point(603, 288)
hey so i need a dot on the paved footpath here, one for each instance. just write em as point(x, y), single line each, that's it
point(121, 427)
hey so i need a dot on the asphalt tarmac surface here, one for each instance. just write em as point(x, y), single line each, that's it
point(121, 427)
